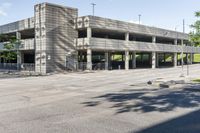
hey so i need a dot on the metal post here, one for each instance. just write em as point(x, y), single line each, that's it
point(183, 25)
point(182, 74)
point(93, 8)
point(139, 18)
point(187, 66)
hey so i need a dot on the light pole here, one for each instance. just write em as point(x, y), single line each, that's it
point(139, 18)
point(93, 8)
point(182, 43)
point(187, 50)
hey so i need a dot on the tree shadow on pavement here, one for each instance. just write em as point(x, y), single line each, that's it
point(189, 123)
point(147, 100)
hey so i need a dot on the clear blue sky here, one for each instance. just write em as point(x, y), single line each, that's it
point(159, 13)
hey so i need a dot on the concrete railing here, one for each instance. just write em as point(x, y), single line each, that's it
point(26, 44)
point(116, 25)
point(17, 26)
point(121, 45)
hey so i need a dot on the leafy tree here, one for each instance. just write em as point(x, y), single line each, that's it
point(11, 48)
point(195, 35)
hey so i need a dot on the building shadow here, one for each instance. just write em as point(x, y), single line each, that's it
point(189, 123)
point(146, 100)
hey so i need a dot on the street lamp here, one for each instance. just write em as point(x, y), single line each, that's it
point(139, 18)
point(182, 43)
point(93, 8)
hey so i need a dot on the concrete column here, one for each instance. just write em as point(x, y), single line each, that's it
point(153, 39)
point(182, 61)
point(191, 58)
point(175, 42)
point(187, 58)
point(164, 58)
point(134, 60)
point(157, 60)
point(175, 59)
point(127, 36)
point(19, 60)
point(89, 59)
point(81, 56)
point(126, 60)
point(19, 55)
point(153, 60)
point(18, 35)
point(89, 32)
point(107, 60)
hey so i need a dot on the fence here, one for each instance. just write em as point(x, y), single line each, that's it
point(20, 67)
point(27, 67)
point(8, 66)
point(82, 66)
point(98, 66)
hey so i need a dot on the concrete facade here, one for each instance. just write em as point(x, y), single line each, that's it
point(58, 39)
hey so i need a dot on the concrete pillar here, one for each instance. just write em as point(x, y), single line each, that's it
point(164, 58)
point(80, 56)
point(157, 60)
point(153, 39)
point(19, 55)
point(126, 60)
point(89, 59)
point(18, 35)
point(153, 60)
point(182, 61)
point(134, 60)
point(191, 58)
point(127, 37)
point(187, 58)
point(175, 42)
point(19, 58)
point(89, 32)
point(175, 59)
point(107, 60)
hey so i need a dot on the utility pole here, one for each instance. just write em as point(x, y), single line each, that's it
point(139, 18)
point(93, 8)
